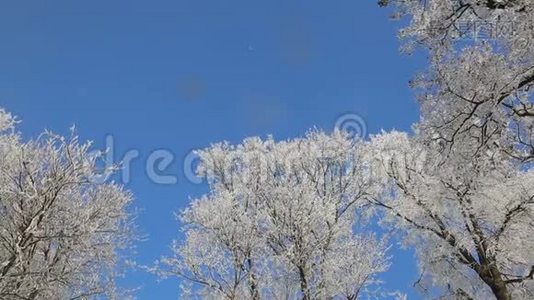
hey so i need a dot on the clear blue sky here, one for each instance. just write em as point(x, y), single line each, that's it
point(180, 75)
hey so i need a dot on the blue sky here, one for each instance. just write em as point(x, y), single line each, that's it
point(179, 75)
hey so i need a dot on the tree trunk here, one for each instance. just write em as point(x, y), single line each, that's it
point(493, 278)
point(254, 287)
point(500, 290)
point(304, 284)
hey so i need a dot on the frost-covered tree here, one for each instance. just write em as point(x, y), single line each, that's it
point(481, 74)
point(280, 222)
point(60, 232)
point(461, 187)
point(470, 217)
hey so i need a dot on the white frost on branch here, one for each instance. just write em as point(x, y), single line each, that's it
point(282, 221)
point(461, 187)
point(60, 233)
point(469, 217)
